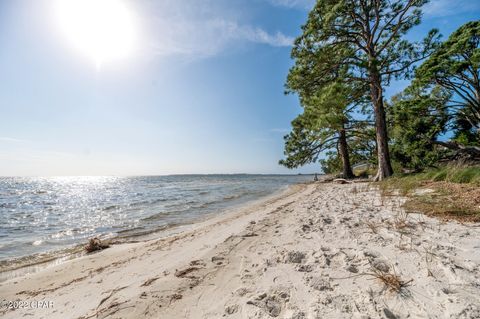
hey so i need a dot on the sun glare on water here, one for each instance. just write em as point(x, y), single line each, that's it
point(103, 30)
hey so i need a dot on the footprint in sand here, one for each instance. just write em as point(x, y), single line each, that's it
point(230, 310)
point(295, 257)
point(320, 283)
point(272, 303)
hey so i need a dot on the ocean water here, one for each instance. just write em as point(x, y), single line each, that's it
point(43, 215)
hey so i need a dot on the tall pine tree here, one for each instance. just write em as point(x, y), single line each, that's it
point(363, 37)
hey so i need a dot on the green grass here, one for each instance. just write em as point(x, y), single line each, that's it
point(465, 175)
point(406, 183)
point(455, 192)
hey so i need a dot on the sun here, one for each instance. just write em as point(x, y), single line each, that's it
point(101, 29)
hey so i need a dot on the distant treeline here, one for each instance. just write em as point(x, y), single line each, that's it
point(349, 51)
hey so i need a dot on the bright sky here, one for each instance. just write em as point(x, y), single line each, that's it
point(123, 87)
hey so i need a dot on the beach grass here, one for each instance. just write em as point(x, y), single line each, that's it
point(448, 192)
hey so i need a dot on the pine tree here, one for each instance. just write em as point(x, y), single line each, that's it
point(325, 124)
point(455, 66)
point(417, 119)
point(360, 40)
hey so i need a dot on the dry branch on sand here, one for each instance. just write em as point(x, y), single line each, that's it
point(401, 222)
point(391, 280)
point(374, 227)
point(342, 181)
point(95, 244)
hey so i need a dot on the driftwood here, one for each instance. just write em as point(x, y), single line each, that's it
point(473, 151)
point(461, 154)
point(342, 181)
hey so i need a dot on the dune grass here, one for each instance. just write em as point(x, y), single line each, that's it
point(466, 175)
point(407, 183)
point(447, 192)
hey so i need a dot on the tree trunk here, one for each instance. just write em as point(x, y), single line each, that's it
point(345, 156)
point(384, 166)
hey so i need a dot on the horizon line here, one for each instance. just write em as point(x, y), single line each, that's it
point(166, 175)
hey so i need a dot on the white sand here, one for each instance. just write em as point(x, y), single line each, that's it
point(309, 254)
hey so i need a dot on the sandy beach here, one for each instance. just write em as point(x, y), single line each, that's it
point(315, 251)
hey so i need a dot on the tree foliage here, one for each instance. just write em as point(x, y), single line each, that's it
point(324, 125)
point(417, 119)
point(361, 150)
point(349, 50)
point(304, 144)
point(455, 66)
point(359, 41)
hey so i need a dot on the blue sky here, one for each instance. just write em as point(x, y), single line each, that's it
point(201, 92)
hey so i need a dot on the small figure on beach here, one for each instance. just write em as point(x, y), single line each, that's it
point(315, 178)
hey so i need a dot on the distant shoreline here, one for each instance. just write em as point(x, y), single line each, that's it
point(158, 175)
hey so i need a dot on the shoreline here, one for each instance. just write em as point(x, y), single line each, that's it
point(29, 264)
point(311, 252)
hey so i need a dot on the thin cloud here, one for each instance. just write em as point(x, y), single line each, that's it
point(443, 8)
point(192, 30)
point(233, 31)
point(302, 4)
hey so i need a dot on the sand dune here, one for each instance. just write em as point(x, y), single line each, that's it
point(317, 251)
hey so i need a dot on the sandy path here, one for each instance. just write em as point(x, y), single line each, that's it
point(309, 254)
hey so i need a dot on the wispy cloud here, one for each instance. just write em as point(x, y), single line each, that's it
point(303, 4)
point(11, 140)
point(233, 31)
point(443, 8)
point(197, 30)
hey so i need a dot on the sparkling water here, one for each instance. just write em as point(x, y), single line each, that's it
point(41, 215)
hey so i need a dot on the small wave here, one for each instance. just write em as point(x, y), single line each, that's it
point(205, 205)
point(63, 233)
point(150, 202)
point(230, 197)
point(49, 203)
point(160, 215)
point(18, 266)
point(7, 205)
point(111, 207)
point(129, 230)
point(240, 195)
point(37, 242)
point(224, 199)
point(159, 200)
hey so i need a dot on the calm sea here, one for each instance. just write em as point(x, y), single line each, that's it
point(41, 215)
